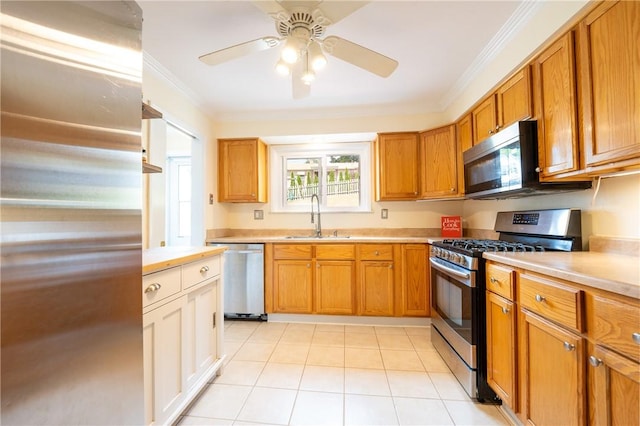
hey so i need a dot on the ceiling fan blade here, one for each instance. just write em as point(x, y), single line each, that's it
point(359, 56)
point(242, 49)
point(272, 8)
point(298, 88)
point(336, 11)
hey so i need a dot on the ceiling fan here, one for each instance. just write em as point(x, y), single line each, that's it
point(300, 26)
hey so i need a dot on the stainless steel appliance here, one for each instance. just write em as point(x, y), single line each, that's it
point(71, 195)
point(458, 288)
point(506, 166)
point(244, 281)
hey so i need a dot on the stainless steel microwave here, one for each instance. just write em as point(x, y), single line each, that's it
point(506, 166)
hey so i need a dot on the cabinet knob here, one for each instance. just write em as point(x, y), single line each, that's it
point(153, 288)
point(540, 298)
point(596, 362)
point(498, 127)
point(204, 269)
point(308, 265)
point(391, 266)
point(505, 310)
point(494, 280)
point(538, 169)
point(453, 190)
point(636, 337)
point(377, 253)
point(490, 132)
point(568, 346)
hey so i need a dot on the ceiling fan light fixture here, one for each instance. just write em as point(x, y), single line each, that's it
point(317, 58)
point(282, 68)
point(290, 52)
point(307, 77)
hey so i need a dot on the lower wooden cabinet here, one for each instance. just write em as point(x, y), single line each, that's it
point(501, 343)
point(554, 380)
point(347, 279)
point(376, 288)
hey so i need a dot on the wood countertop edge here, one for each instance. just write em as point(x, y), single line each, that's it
point(627, 288)
point(157, 259)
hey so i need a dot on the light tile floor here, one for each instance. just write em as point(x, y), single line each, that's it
point(318, 374)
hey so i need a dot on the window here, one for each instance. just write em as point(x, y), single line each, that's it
point(340, 174)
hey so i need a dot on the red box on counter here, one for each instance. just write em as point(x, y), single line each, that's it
point(451, 226)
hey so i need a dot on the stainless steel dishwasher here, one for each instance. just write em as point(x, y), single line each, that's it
point(243, 278)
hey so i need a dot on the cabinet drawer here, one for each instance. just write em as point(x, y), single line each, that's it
point(500, 280)
point(160, 285)
point(551, 300)
point(616, 325)
point(292, 251)
point(196, 272)
point(336, 251)
point(376, 252)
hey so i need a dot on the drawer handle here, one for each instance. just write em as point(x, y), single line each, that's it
point(152, 288)
point(505, 310)
point(494, 280)
point(540, 298)
point(377, 253)
point(204, 269)
point(636, 337)
point(568, 346)
point(391, 266)
point(595, 361)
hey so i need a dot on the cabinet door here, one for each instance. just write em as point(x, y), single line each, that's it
point(335, 287)
point(397, 166)
point(614, 383)
point(376, 288)
point(200, 340)
point(439, 163)
point(501, 349)
point(514, 99)
point(465, 132)
point(415, 282)
point(292, 286)
point(241, 170)
point(553, 374)
point(163, 330)
point(556, 108)
point(610, 83)
point(484, 119)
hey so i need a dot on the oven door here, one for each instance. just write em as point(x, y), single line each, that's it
point(453, 298)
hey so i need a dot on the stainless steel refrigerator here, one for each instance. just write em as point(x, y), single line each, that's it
point(70, 188)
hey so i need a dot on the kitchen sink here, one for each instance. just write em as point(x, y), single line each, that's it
point(315, 237)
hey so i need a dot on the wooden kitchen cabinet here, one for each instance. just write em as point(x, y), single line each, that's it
point(293, 286)
point(609, 69)
point(416, 299)
point(335, 281)
point(441, 162)
point(377, 288)
point(501, 334)
point(242, 171)
point(464, 131)
point(556, 109)
point(511, 102)
point(200, 318)
point(554, 366)
point(397, 166)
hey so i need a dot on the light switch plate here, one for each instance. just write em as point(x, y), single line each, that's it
point(384, 213)
point(258, 214)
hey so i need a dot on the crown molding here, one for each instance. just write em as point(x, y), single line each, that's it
point(507, 32)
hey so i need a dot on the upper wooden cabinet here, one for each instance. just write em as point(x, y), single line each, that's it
point(464, 131)
point(397, 165)
point(609, 70)
point(556, 108)
point(511, 102)
point(440, 161)
point(242, 171)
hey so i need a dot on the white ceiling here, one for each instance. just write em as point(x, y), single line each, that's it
point(440, 46)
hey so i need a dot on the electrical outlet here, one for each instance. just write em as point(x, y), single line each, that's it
point(210, 198)
point(258, 215)
point(384, 214)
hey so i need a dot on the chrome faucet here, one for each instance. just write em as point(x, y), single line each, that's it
point(318, 226)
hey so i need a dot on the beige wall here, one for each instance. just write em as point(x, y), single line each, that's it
point(613, 212)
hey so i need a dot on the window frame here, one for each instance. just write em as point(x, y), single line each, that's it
point(278, 155)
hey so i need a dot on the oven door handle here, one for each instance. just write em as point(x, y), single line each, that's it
point(448, 270)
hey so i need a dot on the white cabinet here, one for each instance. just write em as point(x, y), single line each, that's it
point(182, 335)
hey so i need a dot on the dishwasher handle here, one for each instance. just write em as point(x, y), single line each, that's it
point(244, 251)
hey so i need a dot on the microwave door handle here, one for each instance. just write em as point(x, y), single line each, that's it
point(450, 271)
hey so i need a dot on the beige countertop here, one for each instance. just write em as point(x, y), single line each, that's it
point(606, 271)
point(159, 258)
point(323, 240)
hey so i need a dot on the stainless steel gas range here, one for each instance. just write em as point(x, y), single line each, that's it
point(458, 286)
